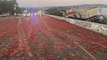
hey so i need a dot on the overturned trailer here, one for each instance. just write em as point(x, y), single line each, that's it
point(85, 13)
point(93, 12)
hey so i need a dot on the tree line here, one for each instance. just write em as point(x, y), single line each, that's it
point(8, 7)
point(54, 11)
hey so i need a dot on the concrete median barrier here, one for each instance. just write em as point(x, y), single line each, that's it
point(100, 28)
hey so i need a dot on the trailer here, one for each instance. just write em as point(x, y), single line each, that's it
point(94, 12)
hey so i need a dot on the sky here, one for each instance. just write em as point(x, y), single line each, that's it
point(44, 3)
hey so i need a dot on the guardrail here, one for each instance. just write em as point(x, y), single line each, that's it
point(100, 28)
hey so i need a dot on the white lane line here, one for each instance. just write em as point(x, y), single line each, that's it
point(85, 51)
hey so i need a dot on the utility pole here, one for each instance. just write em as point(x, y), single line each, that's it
point(62, 13)
point(15, 6)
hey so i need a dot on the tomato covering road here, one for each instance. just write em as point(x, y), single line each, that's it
point(47, 38)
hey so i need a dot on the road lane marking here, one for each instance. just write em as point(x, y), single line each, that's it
point(23, 39)
point(85, 51)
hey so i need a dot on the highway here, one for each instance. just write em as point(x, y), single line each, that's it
point(47, 38)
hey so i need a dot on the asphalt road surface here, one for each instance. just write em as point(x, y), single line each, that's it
point(46, 38)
